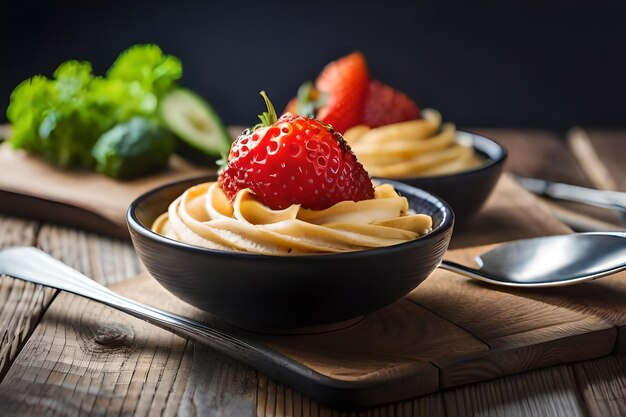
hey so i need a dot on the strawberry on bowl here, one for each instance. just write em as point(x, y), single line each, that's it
point(292, 234)
point(295, 160)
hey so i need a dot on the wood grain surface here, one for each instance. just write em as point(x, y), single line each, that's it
point(610, 146)
point(112, 356)
point(201, 383)
point(86, 358)
point(546, 155)
point(510, 213)
point(581, 146)
point(603, 385)
point(517, 397)
point(94, 200)
point(540, 154)
point(607, 171)
point(21, 304)
point(448, 332)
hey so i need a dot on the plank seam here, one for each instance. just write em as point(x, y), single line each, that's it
point(169, 392)
point(450, 321)
point(579, 392)
point(31, 330)
point(29, 333)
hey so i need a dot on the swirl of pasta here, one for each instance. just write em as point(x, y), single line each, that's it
point(203, 216)
point(413, 148)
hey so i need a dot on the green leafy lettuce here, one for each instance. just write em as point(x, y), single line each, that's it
point(63, 117)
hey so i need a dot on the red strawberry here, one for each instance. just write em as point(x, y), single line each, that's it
point(294, 160)
point(385, 105)
point(348, 99)
point(344, 83)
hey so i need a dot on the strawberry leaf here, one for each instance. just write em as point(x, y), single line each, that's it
point(268, 117)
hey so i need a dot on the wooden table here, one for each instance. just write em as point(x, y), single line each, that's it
point(62, 355)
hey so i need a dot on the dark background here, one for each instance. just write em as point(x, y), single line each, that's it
point(549, 64)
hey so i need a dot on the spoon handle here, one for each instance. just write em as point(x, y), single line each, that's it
point(473, 273)
point(462, 269)
point(33, 265)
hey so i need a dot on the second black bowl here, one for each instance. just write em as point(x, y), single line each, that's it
point(466, 191)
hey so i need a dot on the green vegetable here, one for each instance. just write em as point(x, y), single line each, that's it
point(46, 115)
point(147, 66)
point(195, 122)
point(137, 147)
point(63, 117)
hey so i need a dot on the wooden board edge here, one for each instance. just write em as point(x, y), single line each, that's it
point(23, 206)
point(366, 394)
point(408, 381)
point(498, 363)
point(620, 346)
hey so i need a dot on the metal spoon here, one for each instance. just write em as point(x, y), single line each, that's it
point(613, 200)
point(551, 261)
point(33, 265)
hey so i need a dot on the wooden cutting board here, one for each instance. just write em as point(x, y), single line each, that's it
point(448, 332)
point(451, 330)
point(30, 187)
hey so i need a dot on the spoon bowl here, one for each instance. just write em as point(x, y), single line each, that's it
point(549, 261)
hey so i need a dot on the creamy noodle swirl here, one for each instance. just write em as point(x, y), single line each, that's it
point(203, 216)
point(414, 148)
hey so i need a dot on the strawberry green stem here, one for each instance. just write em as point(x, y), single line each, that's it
point(268, 118)
point(310, 99)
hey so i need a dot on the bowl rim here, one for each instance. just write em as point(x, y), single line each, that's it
point(489, 164)
point(136, 225)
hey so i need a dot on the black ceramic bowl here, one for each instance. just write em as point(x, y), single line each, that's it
point(276, 293)
point(466, 191)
